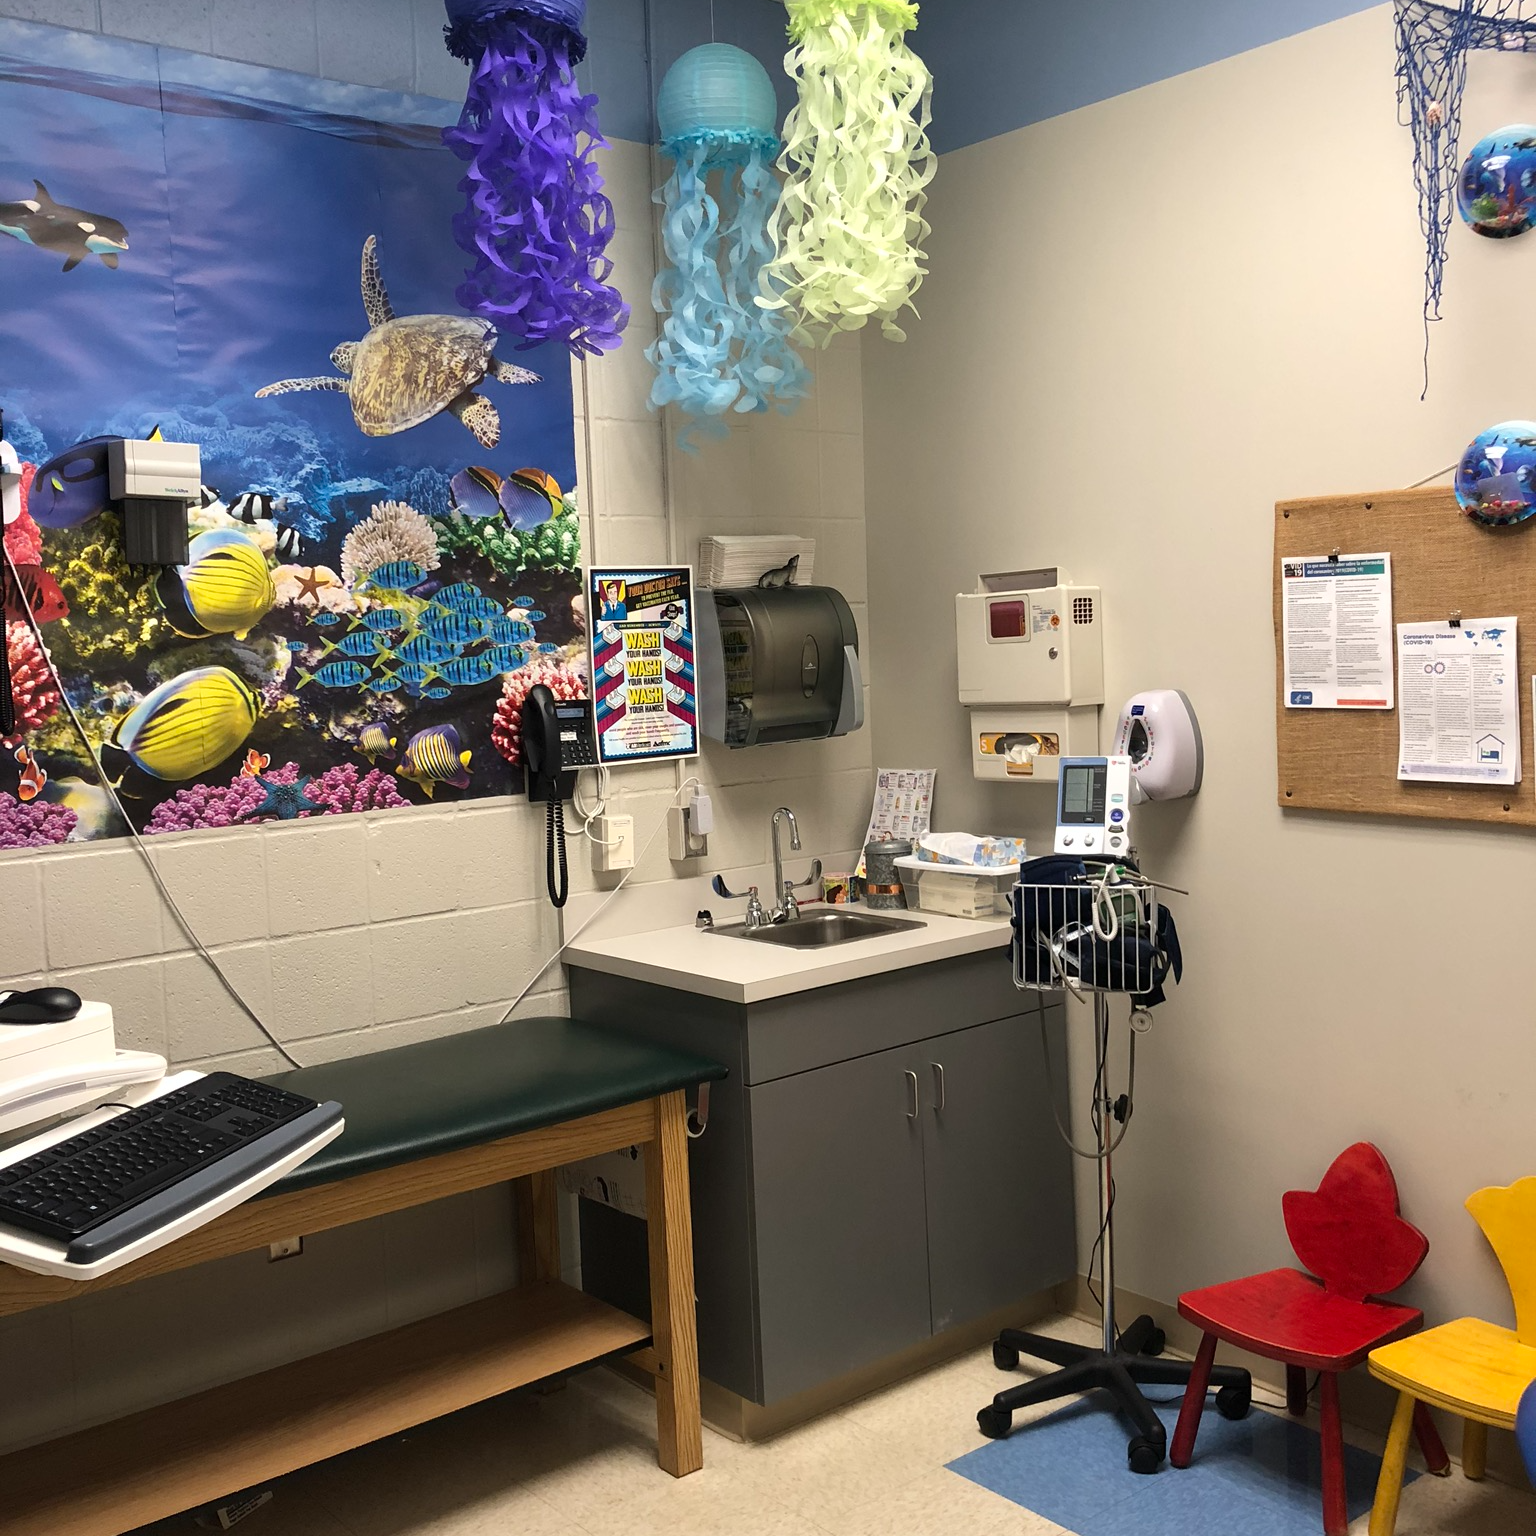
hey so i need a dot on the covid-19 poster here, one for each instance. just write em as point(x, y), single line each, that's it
point(644, 689)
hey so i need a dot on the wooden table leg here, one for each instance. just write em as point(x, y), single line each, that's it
point(538, 1227)
point(674, 1330)
point(1394, 1460)
point(1474, 1449)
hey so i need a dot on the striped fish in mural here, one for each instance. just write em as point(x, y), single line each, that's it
point(435, 757)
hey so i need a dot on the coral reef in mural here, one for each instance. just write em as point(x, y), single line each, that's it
point(248, 798)
point(562, 679)
point(37, 699)
point(355, 602)
point(33, 826)
point(393, 530)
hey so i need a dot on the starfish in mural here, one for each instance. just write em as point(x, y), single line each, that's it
point(284, 801)
point(310, 586)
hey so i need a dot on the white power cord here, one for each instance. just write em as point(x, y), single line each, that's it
point(133, 831)
point(656, 832)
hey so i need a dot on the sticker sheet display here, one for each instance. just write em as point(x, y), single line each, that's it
point(644, 688)
point(384, 554)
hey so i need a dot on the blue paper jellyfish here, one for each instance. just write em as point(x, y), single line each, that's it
point(719, 350)
point(535, 218)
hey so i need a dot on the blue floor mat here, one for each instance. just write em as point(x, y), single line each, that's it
point(1261, 1475)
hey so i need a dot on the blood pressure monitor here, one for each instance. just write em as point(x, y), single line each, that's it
point(1093, 806)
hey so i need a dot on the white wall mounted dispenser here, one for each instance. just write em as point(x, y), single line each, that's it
point(1031, 671)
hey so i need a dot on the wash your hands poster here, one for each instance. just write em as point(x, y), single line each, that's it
point(384, 553)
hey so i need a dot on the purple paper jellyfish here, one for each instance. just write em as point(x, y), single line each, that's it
point(535, 218)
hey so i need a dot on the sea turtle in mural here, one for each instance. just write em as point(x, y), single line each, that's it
point(406, 370)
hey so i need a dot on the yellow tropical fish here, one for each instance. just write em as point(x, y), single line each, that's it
point(225, 588)
point(189, 724)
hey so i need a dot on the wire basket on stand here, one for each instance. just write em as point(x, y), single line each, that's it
point(1100, 930)
point(1105, 932)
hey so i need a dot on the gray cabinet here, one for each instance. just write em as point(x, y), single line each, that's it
point(985, 1106)
point(842, 1254)
point(882, 1165)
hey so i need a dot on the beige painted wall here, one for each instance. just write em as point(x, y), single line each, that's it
point(362, 932)
point(1146, 322)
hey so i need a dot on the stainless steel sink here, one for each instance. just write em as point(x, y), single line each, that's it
point(818, 930)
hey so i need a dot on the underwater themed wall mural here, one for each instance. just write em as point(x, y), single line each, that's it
point(210, 253)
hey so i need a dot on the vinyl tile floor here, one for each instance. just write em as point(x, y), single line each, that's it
point(581, 1461)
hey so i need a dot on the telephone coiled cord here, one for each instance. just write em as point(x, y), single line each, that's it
point(554, 851)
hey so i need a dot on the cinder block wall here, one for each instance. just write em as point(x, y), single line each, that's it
point(354, 933)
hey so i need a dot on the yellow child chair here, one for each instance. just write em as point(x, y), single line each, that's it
point(1468, 1367)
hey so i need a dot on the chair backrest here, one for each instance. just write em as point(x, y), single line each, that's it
point(1507, 1215)
point(1348, 1232)
point(1525, 1430)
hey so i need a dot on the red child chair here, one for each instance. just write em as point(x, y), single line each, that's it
point(1349, 1235)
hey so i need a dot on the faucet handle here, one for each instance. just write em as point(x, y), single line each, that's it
point(718, 886)
point(810, 879)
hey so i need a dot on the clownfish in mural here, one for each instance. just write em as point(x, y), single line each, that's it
point(71, 232)
point(33, 775)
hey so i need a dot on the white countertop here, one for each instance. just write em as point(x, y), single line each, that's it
point(739, 971)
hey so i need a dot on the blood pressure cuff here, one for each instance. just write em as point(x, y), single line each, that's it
point(1054, 903)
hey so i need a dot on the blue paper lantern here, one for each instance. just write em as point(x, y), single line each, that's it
point(719, 350)
point(1496, 479)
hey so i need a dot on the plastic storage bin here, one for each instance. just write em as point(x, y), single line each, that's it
point(957, 890)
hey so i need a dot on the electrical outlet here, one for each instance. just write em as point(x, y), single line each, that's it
point(613, 843)
point(684, 841)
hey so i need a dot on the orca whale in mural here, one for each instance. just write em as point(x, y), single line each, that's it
point(72, 232)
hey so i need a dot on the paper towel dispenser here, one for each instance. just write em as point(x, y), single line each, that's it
point(777, 664)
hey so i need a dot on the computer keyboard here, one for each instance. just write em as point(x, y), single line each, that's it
point(129, 1176)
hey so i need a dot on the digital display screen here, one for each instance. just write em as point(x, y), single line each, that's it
point(1083, 792)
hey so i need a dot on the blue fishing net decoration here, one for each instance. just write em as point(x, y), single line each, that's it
point(1433, 42)
point(718, 350)
point(535, 218)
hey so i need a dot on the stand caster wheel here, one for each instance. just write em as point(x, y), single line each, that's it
point(1157, 1342)
point(1234, 1402)
point(1144, 1456)
point(994, 1423)
point(1004, 1356)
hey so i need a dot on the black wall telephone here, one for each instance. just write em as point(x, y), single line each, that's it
point(558, 739)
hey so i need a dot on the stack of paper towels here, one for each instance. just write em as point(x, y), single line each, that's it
point(737, 560)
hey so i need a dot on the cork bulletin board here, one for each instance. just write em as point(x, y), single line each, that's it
point(1442, 563)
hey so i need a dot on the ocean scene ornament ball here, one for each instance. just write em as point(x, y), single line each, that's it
point(1496, 190)
point(1496, 479)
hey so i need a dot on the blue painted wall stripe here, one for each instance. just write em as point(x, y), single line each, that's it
point(1003, 64)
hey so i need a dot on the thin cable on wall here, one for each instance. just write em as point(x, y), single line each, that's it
point(1433, 42)
point(535, 220)
point(30, 618)
point(849, 228)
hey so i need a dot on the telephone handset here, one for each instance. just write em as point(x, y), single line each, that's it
point(558, 740)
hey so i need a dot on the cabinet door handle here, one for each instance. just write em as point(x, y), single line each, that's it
point(938, 1085)
point(911, 1078)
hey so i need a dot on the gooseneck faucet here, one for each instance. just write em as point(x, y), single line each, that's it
point(785, 907)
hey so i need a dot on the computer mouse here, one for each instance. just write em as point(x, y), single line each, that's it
point(42, 1005)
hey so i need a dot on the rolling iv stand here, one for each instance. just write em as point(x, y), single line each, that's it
point(1126, 1361)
